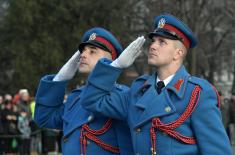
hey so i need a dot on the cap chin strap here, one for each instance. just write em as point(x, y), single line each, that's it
point(169, 33)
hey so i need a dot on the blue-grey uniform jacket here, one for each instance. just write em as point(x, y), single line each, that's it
point(69, 117)
point(142, 103)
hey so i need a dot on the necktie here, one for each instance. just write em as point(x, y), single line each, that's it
point(160, 85)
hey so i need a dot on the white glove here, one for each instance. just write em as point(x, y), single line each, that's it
point(129, 55)
point(69, 69)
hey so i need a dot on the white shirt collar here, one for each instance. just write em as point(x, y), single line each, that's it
point(167, 80)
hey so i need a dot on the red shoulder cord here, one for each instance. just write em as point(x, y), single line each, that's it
point(169, 128)
point(88, 133)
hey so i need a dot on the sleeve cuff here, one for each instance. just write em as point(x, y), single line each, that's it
point(104, 75)
point(50, 93)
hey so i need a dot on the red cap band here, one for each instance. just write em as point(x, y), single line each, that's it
point(185, 40)
point(108, 44)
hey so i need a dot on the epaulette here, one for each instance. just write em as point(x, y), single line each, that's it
point(140, 84)
point(142, 78)
point(205, 85)
point(199, 81)
point(77, 89)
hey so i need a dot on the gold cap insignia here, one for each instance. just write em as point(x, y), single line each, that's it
point(92, 36)
point(161, 23)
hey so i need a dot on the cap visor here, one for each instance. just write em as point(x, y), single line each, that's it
point(83, 44)
point(161, 34)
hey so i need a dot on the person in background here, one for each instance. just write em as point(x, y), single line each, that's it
point(1, 102)
point(25, 131)
point(232, 118)
point(1, 126)
point(9, 121)
point(225, 112)
point(23, 102)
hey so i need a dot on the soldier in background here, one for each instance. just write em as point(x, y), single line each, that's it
point(232, 118)
point(225, 111)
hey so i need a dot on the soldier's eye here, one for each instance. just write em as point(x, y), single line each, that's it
point(93, 51)
point(162, 42)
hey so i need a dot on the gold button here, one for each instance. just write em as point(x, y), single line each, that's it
point(138, 130)
point(168, 109)
point(65, 139)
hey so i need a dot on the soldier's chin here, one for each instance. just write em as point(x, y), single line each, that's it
point(151, 62)
point(84, 70)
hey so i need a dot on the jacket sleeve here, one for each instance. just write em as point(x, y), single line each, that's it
point(49, 103)
point(207, 125)
point(100, 95)
point(122, 131)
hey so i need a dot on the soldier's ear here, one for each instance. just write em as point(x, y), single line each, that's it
point(180, 51)
point(179, 54)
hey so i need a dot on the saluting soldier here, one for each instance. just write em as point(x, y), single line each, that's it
point(84, 132)
point(169, 112)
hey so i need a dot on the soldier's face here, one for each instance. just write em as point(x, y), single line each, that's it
point(90, 56)
point(161, 52)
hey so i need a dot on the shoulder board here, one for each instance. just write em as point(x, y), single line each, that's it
point(199, 81)
point(142, 78)
point(139, 84)
point(204, 84)
point(77, 89)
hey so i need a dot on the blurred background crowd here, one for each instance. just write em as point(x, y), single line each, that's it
point(18, 132)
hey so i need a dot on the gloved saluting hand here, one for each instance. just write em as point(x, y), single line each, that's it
point(129, 55)
point(69, 69)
